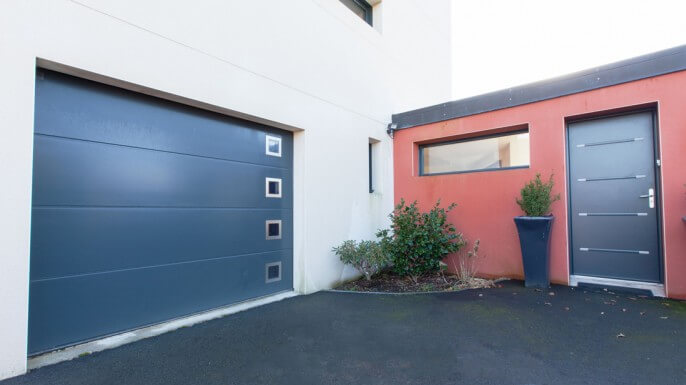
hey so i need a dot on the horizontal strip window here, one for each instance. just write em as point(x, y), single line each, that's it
point(504, 151)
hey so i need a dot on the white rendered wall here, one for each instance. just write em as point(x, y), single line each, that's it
point(503, 43)
point(309, 66)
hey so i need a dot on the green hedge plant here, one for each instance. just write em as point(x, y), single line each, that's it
point(418, 241)
point(368, 257)
point(536, 197)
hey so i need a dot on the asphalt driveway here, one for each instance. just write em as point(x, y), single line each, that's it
point(507, 335)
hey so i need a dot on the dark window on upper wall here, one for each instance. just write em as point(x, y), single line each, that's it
point(502, 151)
point(371, 168)
point(361, 8)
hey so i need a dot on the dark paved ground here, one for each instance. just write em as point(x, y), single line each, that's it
point(508, 335)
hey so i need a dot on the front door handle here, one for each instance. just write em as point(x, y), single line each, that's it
point(651, 197)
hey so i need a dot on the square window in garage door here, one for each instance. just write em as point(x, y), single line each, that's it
point(273, 229)
point(273, 187)
point(273, 272)
point(273, 145)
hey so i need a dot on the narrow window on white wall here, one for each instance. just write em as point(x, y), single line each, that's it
point(372, 166)
point(273, 145)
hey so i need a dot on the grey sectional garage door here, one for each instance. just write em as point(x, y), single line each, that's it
point(146, 210)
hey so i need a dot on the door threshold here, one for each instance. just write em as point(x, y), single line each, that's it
point(116, 340)
point(657, 289)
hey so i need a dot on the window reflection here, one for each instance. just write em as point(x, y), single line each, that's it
point(511, 150)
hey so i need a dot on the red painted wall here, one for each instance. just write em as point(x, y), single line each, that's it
point(486, 200)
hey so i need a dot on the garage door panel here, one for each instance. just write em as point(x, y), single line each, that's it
point(123, 300)
point(77, 108)
point(71, 241)
point(146, 210)
point(125, 176)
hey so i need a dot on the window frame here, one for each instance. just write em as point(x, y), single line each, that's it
point(371, 167)
point(273, 222)
point(268, 180)
point(266, 272)
point(472, 139)
point(266, 145)
point(367, 8)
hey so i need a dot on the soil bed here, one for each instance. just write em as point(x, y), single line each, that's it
point(388, 282)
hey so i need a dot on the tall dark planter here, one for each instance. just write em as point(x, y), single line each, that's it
point(534, 239)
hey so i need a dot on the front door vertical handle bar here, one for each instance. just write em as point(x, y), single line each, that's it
point(651, 197)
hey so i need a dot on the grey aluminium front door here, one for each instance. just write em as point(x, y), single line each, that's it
point(613, 198)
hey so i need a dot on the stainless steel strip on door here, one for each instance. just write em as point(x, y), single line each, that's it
point(614, 250)
point(609, 142)
point(610, 178)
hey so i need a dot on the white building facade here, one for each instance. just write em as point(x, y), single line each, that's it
point(311, 67)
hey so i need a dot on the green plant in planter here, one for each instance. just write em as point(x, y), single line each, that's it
point(368, 257)
point(536, 197)
point(417, 241)
point(534, 230)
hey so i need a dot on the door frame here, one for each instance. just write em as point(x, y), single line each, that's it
point(657, 289)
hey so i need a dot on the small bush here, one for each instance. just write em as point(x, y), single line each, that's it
point(417, 242)
point(368, 257)
point(467, 264)
point(536, 197)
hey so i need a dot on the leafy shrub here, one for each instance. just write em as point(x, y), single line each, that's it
point(536, 197)
point(368, 257)
point(417, 242)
